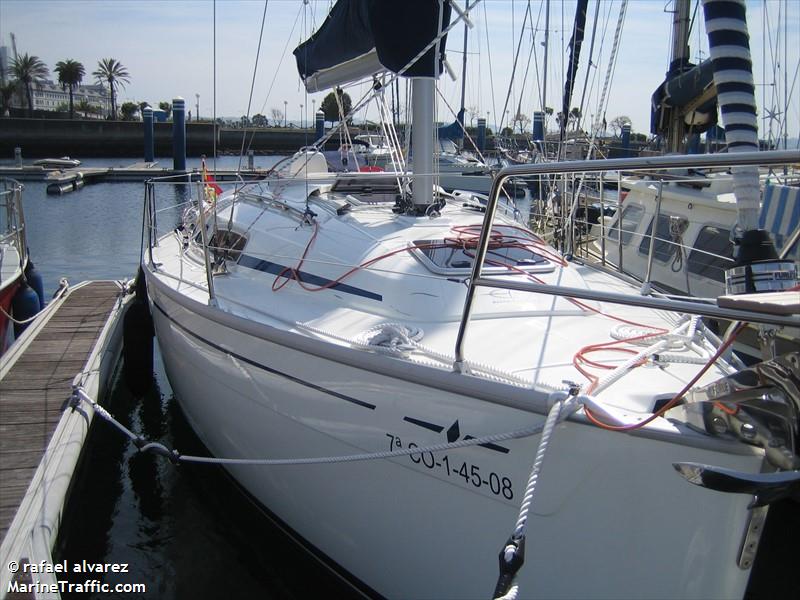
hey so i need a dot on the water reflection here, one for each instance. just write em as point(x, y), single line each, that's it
point(186, 531)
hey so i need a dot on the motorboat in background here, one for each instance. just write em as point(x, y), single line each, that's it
point(405, 351)
point(65, 162)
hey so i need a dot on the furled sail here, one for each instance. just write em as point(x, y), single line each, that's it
point(689, 90)
point(361, 38)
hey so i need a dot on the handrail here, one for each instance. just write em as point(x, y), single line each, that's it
point(15, 217)
point(775, 157)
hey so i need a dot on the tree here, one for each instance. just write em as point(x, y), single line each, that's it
point(617, 123)
point(473, 112)
point(129, 111)
point(70, 74)
point(142, 106)
point(259, 120)
point(6, 94)
point(277, 115)
point(27, 70)
point(166, 107)
point(330, 107)
point(112, 71)
point(86, 107)
point(523, 121)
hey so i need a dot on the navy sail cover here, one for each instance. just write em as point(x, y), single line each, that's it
point(397, 31)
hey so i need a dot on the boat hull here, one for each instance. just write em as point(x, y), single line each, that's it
point(6, 296)
point(609, 506)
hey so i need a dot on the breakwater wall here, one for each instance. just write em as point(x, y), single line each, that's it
point(40, 138)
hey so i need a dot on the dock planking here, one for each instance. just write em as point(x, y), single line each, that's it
point(34, 391)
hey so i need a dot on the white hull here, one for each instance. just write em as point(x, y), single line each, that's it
point(612, 519)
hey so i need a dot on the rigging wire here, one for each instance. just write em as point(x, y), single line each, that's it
point(252, 87)
point(489, 54)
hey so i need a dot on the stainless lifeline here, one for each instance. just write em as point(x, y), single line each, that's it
point(772, 158)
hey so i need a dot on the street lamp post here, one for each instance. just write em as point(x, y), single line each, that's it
point(284, 112)
point(197, 108)
point(302, 118)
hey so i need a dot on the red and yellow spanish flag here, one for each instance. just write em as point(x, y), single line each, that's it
point(212, 189)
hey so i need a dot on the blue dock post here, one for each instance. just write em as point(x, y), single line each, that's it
point(626, 139)
point(179, 134)
point(319, 123)
point(147, 119)
point(538, 126)
point(481, 141)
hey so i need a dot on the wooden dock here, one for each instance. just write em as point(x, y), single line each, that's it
point(136, 172)
point(34, 389)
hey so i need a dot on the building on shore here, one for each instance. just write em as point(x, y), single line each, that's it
point(5, 64)
point(50, 96)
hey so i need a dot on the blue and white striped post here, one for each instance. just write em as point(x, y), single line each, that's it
point(179, 134)
point(729, 47)
point(538, 126)
point(147, 120)
point(481, 138)
point(626, 139)
point(319, 124)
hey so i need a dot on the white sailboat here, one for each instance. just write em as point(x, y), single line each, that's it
point(343, 315)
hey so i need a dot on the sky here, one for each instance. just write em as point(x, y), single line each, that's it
point(169, 48)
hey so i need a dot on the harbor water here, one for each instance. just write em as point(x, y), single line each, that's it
point(184, 531)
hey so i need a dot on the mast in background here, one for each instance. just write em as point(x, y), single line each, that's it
point(679, 63)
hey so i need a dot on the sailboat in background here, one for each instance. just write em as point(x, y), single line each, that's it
point(678, 232)
point(416, 359)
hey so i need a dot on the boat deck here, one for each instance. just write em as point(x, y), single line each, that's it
point(34, 389)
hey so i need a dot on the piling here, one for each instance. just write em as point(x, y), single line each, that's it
point(319, 124)
point(147, 120)
point(538, 126)
point(18, 156)
point(179, 134)
point(626, 139)
point(481, 141)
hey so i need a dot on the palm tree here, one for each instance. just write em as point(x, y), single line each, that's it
point(27, 70)
point(87, 108)
point(70, 74)
point(112, 71)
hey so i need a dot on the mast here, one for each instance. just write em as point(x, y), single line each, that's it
point(575, 51)
point(678, 64)
point(546, 45)
point(423, 92)
point(464, 73)
point(757, 265)
point(464, 61)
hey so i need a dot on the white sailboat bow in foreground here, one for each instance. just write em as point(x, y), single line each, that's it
point(331, 331)
point(334, 315)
